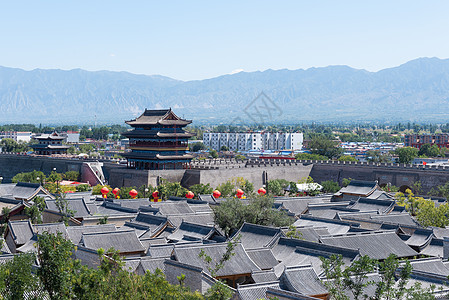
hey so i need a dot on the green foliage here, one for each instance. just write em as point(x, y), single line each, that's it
point(428, 150)
point(322, 145)
point(82, 188)
point(240, 157)
point(213, 154)
point(330, 186)
point(347, 158)
point(86, 148)
point(103, 220)
point(195, 147)
point(354, 279)
point(63, 206)
point(10, 145)
point(406, 154)
point(224, 148)
point(72, 175)
point(390, 188)
point(346, 181)
point(34, 212)
point(56, 266)
point(201, 189)
point(219, 291)
point(16, 277)
point(293, 232)
point(226, 188)
point(96, 190)
point(171, 189)
point(54, 177)
point(376, 156)
point(440, 190)
point(229, 187)
point(232, 213)
point(310, 156)
point(425, 210)
point(31, 177)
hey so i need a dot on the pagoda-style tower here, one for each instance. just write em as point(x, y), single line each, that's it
point(158, 141)
point(49, 144)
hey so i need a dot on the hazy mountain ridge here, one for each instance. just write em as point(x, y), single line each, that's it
point(417, 90)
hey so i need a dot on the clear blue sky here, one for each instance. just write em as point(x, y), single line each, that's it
point(201, 39)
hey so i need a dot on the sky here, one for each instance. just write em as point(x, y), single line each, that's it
point(191, 40)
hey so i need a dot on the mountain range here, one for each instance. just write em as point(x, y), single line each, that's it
point(415, 91)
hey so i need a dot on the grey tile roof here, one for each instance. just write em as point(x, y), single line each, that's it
point(359, 187)
point(123, 241)
point(303, 280)
point(264, 276)
point(273, 293)
point(5, 258)
point(76, 232)
point(440, 232)
point(377, 245)
point(366, 204)
point(26, 191)
point(298, 205)
point(254, 236)
point(431, 266)
point(21, 231)
point(294, 252)
point(310, 233)
point(191, 231)
point(420, 239)
point(52, 228)
point(172, 207)
point(148, 224)
point(391, 218)
point(78, 206)
point(239, 263)
point(4, 249)
point(207, 198)
point(198, 218)
point(333, 226)
point(434, 249)
point(159, 251)
point(263, 258)
point(150, 265)
point(200, 208)
point(255, 291)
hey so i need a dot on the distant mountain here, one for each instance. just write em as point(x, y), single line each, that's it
point(416, 91)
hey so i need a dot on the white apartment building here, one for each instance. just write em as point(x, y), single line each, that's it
point(18, 136)
point(253, 141)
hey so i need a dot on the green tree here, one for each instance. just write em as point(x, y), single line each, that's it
point(56, 266)
point(195, 147)
point(34, 212)
point(346, 181)
point(32, 177)
point(226, 188)
point(213, 154)
point(274, 187)
point(71, 175)
point(201, 189)
point(406, 154)
point(16, 277)
point(347, 158)
point(232, 213)
point(440, 190)
point(330, 186)
point(428, 150)
point(63, 206)
point(310, 156)
point(171, 189)
point(325, 146)
point(224, 148)
point(376, 156)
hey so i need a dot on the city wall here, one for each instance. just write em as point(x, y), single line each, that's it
point(257, 171)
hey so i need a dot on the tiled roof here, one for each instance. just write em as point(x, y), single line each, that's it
point(76, 232)
point(333, 226)
point(299, 205)
point(52, 228)
point(420, 239)
point(387, 242)
point(303, 280)
point(366, 204)
point(123, 241)
point(264, 276)
point(434, 266)
point(78, 206)
point(22, 231)
point(159, 251)
point(263, 258)
point(359, 187)
point(239, 263)
point(254, 236)
point(189, 231)
point(255, 291)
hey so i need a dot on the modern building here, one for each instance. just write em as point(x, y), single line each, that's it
point(158, 141)
point(417, 140)
point(253, 141)
point(49, 144)
point(71, 137)
point(18, 136)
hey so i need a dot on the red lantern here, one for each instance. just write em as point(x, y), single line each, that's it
point(104, 191)
point(216, 194)
point(262, 191)
point(239, 193)
point(190, 195)
point(155, 196)
point(424, 163)
point(133, 193)
point(116, 192)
